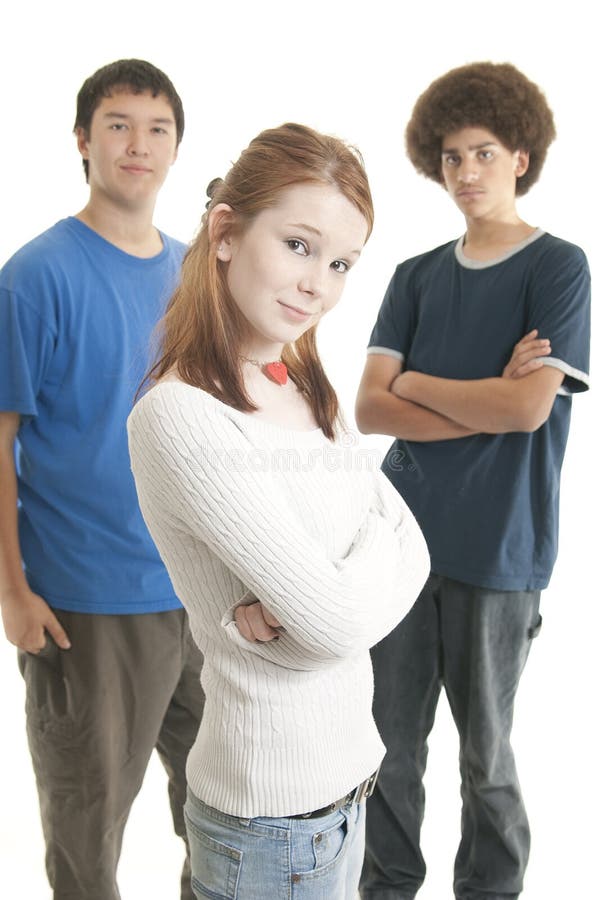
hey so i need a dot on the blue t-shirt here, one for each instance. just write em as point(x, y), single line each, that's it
point(76, 317)
point(488, 504)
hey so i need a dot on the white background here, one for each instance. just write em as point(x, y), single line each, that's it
point(353, 69)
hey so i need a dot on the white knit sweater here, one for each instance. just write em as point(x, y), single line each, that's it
point(242, 509)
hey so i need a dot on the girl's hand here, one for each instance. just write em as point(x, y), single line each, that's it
point(255, 623)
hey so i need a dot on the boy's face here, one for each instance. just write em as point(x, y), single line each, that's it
point(480, 173)
point(130, 147)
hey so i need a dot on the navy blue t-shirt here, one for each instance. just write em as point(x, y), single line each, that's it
point(488, 504)
point(76, 317)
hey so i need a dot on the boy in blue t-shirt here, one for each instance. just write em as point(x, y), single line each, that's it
point(477, 349)
point(110, 668)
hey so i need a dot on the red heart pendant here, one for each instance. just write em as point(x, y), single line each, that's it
point(277, 372)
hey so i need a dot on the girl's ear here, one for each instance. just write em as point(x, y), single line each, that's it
point(221, 219)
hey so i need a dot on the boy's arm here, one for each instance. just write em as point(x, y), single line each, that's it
point(26, 616)
point(392, 406)
point(489, 405)
point(379, 411)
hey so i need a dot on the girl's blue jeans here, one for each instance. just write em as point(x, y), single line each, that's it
point(276, 858)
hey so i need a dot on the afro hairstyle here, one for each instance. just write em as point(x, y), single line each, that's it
point(495, 96)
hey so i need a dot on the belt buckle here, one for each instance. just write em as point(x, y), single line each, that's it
point(366, 788)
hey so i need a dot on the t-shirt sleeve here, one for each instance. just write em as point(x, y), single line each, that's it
point(28, 331)
point(392, 333)
point(560, 310)
point(27, 342)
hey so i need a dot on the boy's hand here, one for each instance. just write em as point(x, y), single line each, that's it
point(527, 355)
point(27, 617)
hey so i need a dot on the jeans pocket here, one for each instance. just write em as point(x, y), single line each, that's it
point(215, 866)
point(319, 856)
point(328, 844)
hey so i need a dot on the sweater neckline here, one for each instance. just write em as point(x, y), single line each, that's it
point(237, 414)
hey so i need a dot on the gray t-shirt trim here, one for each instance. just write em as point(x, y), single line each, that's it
point(486, 263)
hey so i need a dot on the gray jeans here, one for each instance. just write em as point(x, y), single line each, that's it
point(474, 642)
point(94, 714)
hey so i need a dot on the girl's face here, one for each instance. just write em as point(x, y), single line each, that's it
point(288, 267)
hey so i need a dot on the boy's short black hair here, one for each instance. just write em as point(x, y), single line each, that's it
point(134, 75)
point(495, 96)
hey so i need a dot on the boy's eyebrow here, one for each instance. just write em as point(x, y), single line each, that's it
point(471, 147)
point(158, 119)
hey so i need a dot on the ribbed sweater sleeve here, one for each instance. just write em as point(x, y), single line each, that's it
point(188, 460)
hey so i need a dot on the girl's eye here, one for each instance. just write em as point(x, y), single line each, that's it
point(486, 154)
point(339, 265)
point(451, 160)
point(298, 246)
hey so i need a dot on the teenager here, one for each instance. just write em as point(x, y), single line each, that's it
point(274, 542)
point(480, 443)
point(109, 665)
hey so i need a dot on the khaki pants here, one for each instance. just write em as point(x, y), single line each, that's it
point(94, 714)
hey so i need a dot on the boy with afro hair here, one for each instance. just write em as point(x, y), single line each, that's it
point(477, 349)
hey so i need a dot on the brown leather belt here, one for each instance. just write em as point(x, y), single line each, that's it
point(363, 790)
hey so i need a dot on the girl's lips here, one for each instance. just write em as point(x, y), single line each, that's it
point(295, 311)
